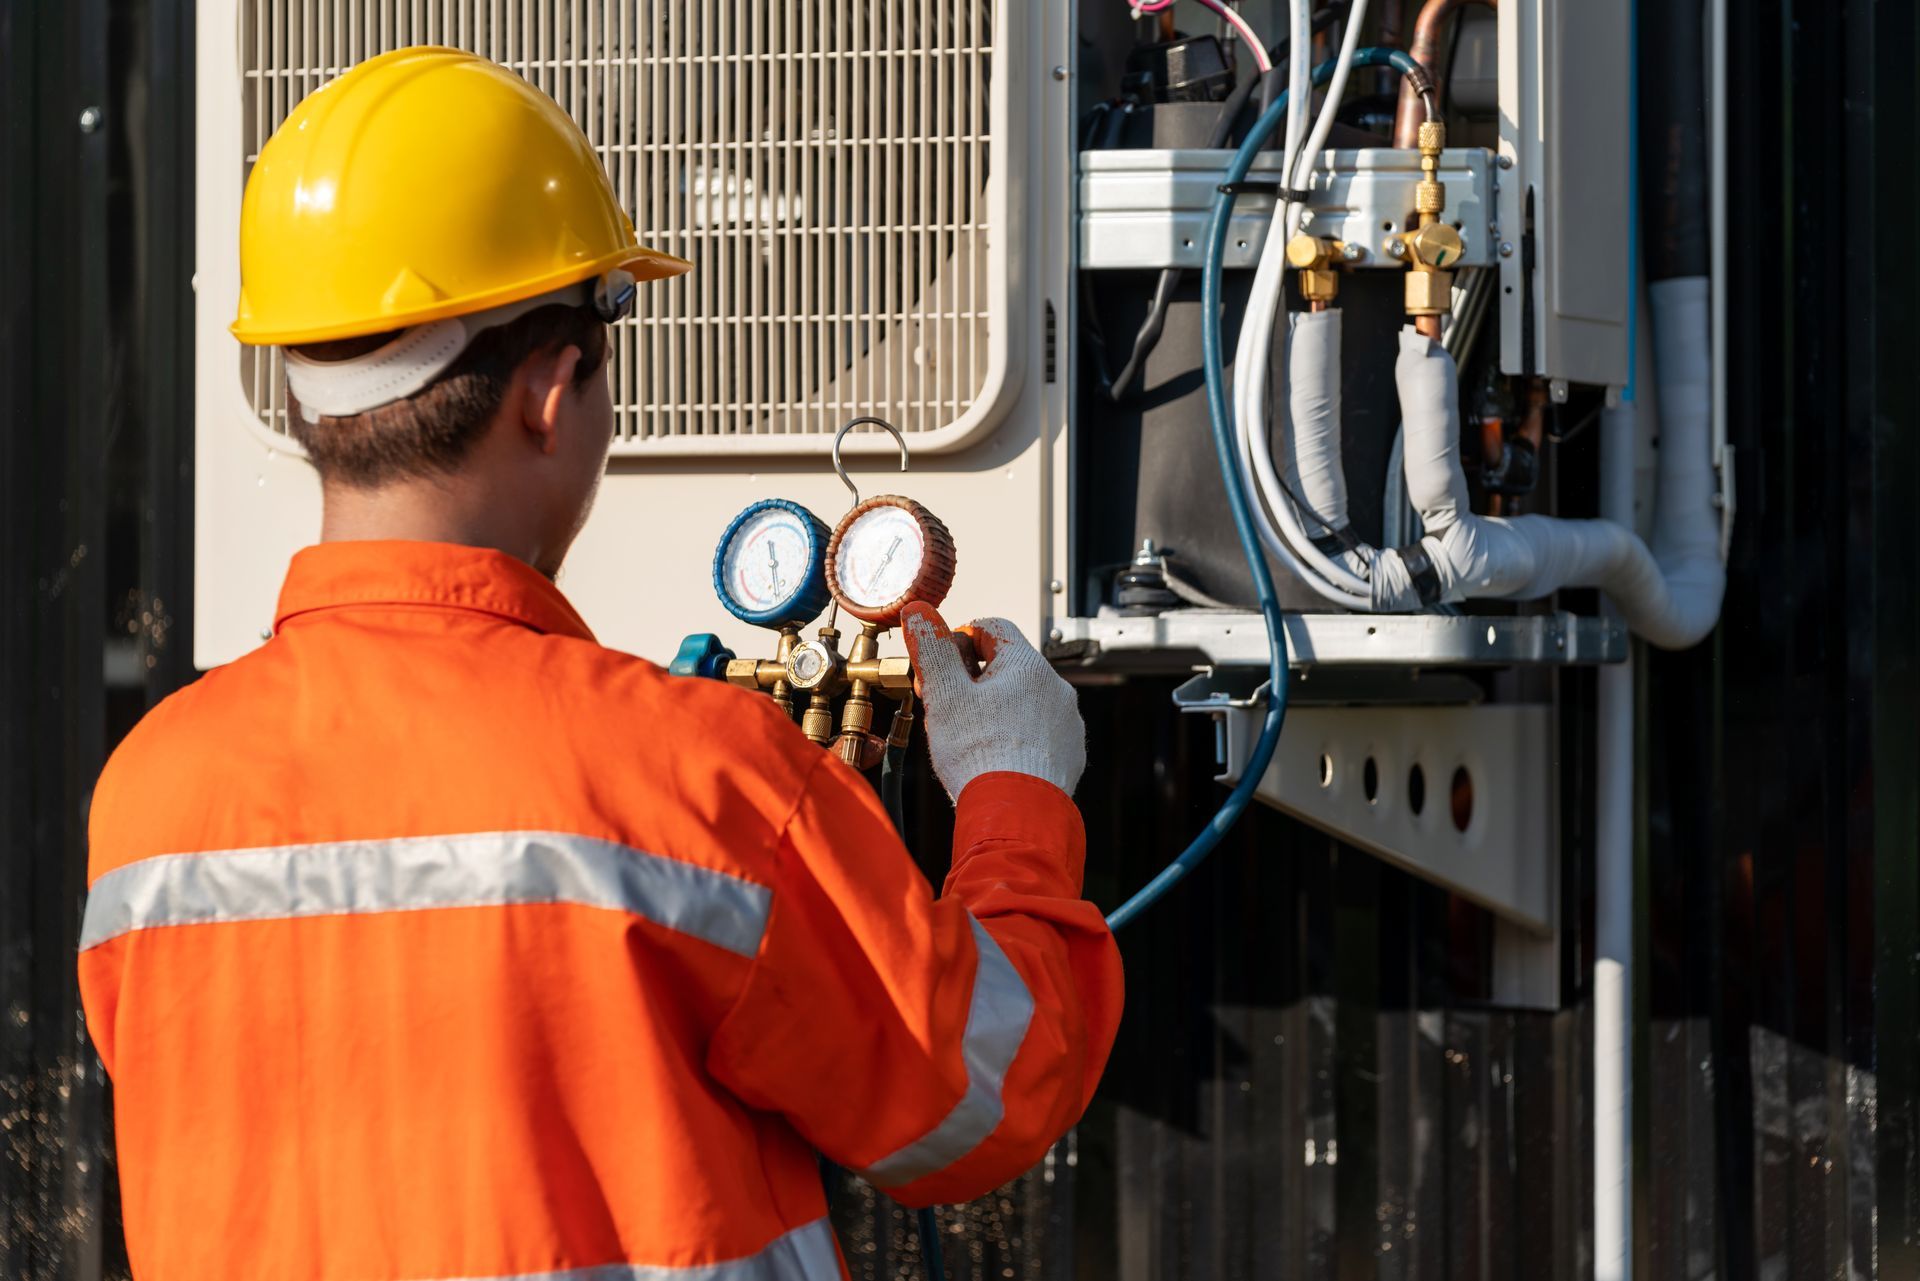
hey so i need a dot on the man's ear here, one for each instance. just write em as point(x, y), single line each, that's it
point(549, 378)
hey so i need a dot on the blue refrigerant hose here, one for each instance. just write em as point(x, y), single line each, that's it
point(1221, 415)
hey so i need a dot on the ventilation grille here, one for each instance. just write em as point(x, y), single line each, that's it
point(824, 164)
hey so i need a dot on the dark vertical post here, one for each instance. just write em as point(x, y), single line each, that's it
point(55, 118)
point(1885, 110)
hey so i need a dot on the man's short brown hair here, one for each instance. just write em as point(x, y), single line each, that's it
point(431, 431)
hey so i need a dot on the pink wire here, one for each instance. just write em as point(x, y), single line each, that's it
point(1234, 20)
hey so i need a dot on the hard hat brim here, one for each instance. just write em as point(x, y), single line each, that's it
point(644, 264)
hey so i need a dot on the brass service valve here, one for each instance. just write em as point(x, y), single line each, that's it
point(1314, 258)
point(1430, 252)
point(1432, 247)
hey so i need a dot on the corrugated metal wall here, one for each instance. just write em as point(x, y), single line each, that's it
point(1311, 1081)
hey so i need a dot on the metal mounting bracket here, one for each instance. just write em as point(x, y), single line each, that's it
point(1150, 208)
point(1186, 638)
point(1463, 796)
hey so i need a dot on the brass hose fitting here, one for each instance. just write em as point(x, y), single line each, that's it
point(901, 730)
point(782, 690)
point(817, 721)
point(1314, 257)
point(856, 741)
point(1430, 197)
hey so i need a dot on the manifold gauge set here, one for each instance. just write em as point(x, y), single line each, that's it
point(778, 566)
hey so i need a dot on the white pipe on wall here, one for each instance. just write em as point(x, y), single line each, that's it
point(1613, 905)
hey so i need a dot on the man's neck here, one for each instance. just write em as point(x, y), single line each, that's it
point(441, 510)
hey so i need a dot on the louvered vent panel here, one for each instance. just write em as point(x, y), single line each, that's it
point(824, 164)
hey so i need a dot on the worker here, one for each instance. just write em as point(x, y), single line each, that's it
point(432, 939)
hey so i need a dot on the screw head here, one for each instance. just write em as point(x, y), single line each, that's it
point(1060, 73)
point(1055, 586)
point(1506, 249)
point(90, 120)
point(1395, 247)
point(1353, 253)
point(1506, 162)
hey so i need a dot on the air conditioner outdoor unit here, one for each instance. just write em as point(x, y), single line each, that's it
point(879, 225)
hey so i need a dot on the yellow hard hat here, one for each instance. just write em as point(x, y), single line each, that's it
point(423, 184)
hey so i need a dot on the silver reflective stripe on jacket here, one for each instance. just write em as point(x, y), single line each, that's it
point(996, 1025)
point(804, 1254)
point(476, 869)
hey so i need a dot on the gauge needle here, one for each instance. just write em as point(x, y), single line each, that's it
point(773, 563)
point(887, 560)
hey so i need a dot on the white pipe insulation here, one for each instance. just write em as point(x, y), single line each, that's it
point(1311, 462)
point(1312, 459)
point(1670, 595)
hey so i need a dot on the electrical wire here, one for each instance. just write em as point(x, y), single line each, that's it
point(1302, 173)
point(1295, 550)
point(1337, 582)
point(1147, 337)
point(1234, 20)
point(1256, 333)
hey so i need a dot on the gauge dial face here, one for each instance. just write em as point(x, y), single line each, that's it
point(880, 556)
point(769, 567)
point(889, 551)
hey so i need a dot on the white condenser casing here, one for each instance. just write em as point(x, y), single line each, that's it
point(876, 198)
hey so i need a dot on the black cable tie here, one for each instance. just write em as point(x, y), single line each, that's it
point(1426, 579)
point(1333, 542)
point(1259, 187)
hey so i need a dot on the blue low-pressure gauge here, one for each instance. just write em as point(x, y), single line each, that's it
point(771, 566)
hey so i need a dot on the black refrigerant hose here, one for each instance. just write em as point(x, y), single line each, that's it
point(893, 768)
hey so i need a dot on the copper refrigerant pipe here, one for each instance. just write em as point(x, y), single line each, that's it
point(1388, 34)
point(1427, 326)
point(1426, 51)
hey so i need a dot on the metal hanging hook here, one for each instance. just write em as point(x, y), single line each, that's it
point(841, 468)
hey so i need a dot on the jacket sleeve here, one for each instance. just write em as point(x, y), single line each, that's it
point(938, 1047)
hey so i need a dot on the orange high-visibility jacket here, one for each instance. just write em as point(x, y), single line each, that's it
point(434, 940)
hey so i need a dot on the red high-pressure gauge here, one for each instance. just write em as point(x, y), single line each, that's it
point(888, 552)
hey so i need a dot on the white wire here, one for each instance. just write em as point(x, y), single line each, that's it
point(1300, 176)
point(1256, 341)
point(1256, 326)
point(1331, 579)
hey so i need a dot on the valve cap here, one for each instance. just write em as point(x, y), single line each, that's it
point(701, 654)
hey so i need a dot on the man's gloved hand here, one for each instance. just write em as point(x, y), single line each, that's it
point(1017, 715)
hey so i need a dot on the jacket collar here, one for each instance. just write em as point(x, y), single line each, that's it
point(480, 579)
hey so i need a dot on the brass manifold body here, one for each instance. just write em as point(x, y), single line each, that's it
point(819, 672)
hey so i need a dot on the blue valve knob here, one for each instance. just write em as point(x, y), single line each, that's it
point(701, 654)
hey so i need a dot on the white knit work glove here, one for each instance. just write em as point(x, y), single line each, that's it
point(1017, 715)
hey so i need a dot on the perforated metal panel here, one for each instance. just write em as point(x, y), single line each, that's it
point(827, 165)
